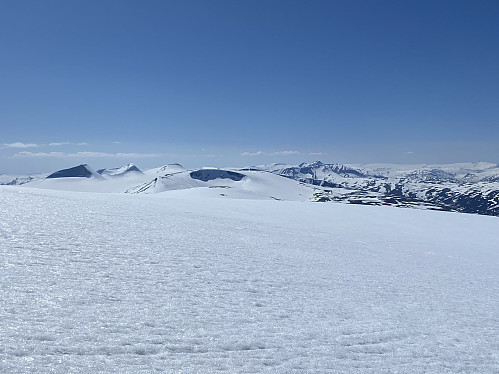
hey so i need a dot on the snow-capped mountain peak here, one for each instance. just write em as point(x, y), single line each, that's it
point(464, 187)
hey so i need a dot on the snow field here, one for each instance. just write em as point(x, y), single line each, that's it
point(111, 283)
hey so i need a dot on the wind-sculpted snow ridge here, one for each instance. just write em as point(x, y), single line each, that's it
point(138, 284)
point(467, 188)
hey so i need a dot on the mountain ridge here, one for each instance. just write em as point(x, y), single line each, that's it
point(461, 187)
point(467, 188)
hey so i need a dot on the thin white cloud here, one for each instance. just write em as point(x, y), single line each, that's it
point(118, 155)
point(317, 154)
point(56, 144)
point(91, 154)
point(26, 154)
point(20, 145)
point(259, 153)
point(277, 153)
point(287, 153)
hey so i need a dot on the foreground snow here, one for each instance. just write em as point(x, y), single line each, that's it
point(113, 283)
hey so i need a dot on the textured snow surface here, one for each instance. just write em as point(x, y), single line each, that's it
point(113, 283)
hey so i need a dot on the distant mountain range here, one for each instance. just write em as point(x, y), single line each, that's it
point(466, 187)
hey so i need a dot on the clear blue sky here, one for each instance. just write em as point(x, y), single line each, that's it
point(246, 82)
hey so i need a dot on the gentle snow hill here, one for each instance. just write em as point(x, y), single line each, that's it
point(105, 180)
point(118, 172)
point(165, 169)
point(227, 183)
point(103, 185)
point(83, 178)
point(137, 284)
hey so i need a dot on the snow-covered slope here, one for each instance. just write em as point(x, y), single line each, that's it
point(17, 180)
point(219, 183)
point(227, 183)
point(468, 188)
point(115, 172)
point(138, 284)
point(165, 169)
point(105, 180)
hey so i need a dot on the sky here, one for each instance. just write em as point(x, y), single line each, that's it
point(238, 83)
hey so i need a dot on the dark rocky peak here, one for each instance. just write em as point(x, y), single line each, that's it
point(80, 171)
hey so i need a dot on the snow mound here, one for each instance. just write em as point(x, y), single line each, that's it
point(116, 172)
point(83, 178)
point(227, 183)
point(166, 169)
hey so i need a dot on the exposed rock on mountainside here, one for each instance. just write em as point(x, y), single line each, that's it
point(318, 170)
point(19, 181)
point(80, 171)
point(206, 175)
point(468, 188)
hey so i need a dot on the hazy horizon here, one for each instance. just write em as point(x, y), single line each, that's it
point(26, 162)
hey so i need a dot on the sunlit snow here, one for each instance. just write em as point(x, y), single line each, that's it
point(186, 283)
